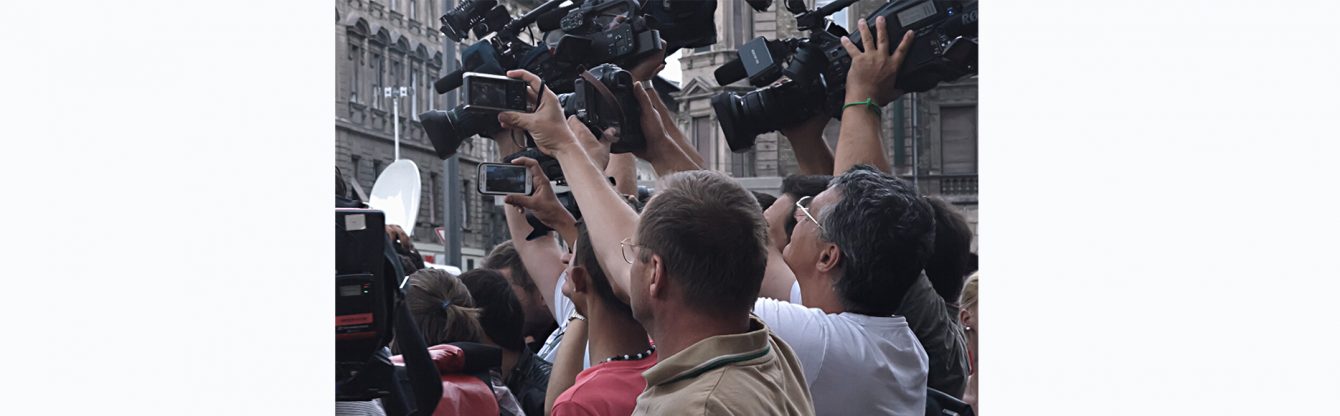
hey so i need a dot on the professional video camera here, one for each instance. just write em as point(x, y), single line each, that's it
point(594, 32)
point(369, 312)
point(606, 31)
point(944, 49)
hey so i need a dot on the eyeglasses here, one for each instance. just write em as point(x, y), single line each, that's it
point(628, 249)
point(803, 205)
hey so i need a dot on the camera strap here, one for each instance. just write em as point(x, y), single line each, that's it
point(605, 94)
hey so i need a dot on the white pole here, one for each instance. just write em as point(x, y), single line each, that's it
point(395, 116)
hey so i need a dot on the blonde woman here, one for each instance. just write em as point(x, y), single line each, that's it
point(967, 314)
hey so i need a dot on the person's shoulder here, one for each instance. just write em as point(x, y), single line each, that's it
point(781, 313)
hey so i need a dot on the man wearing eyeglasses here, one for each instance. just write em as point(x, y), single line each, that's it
point(690, 268)
point(855, 250)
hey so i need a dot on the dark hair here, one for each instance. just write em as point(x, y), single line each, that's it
point(584, 254)
point(802, 186)
point(442, 308)
point(711, 237)
point(948, 264)
point(502, 317)
point(505, 256)
point(885, 232)
point(764, 200)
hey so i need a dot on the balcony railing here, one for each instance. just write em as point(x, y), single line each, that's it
point(946, 184)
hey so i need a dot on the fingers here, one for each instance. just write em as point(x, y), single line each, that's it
point(867, 40)
point(531, 79)
point(901, 54)
point(882, 33)
point(850, 47)
point(651, 118)
point(582, 132)
point(538, 178)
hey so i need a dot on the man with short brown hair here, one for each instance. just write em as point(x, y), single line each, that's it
point(690, 269)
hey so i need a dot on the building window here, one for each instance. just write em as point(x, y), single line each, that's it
point(376, 169)
point(413, 10)
point(742, 164)
point(958, 140)
point(414, 93)
point(702, 139)
point(465, 205)
point(380, 66)
point(356, 55)
point(432, 197)
point(742, 23)
point(356, 161)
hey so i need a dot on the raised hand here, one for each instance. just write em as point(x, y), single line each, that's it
point(542, 202)
point(874, 70)
point(546, 124)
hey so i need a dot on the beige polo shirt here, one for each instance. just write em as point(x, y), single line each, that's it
point(753, 373)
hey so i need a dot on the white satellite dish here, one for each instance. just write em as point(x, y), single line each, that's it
point(396, 193)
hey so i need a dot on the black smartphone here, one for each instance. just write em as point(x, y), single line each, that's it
point(503, 179)
point(488, 92)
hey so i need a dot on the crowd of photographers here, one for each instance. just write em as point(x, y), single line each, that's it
point(847, 294)
point(843, 295)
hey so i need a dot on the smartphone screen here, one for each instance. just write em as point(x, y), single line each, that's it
point(493, 92)
point(501, 179)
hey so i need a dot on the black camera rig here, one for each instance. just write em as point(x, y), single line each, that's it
point(944, 49)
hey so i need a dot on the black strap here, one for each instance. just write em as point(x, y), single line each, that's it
point(419, 367)
point(605, 94)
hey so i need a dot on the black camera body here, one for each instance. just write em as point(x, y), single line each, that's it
point(603, 100)
point(606, 31)
point(944, 49)
point(686, 23)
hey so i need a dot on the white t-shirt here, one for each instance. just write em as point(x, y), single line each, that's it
point(854, 364)
point(562, 308)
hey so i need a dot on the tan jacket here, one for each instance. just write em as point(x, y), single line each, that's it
point(754, 373)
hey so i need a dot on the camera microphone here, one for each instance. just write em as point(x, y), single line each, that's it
point(732, 71)
point(450, 82)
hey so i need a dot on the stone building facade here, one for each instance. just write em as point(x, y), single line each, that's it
point(396, 43)
point(930, 137)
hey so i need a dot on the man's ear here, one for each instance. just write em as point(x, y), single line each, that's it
point(656, 280)
point(829, 257)
point(581, 282)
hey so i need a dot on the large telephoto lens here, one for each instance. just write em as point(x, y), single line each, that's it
point(744, 117)
point(457, 22)
point(448, 129)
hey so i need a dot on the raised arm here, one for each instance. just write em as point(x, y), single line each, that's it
point(813, 156)
point(870, 80)
point(595, 196)
point(567, 363)
point(664, 155)
point(542, 256)
point(623, 168)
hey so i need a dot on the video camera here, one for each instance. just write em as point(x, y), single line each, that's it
point(594, 32)
point(369, 312)
point(944, 49)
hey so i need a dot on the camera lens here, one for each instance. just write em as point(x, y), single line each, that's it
point(448, 129)
point(456, 23)
point(744, 117)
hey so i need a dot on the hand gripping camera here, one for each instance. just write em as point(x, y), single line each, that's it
point(815, 67)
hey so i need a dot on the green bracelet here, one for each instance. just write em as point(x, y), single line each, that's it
point(870, 102)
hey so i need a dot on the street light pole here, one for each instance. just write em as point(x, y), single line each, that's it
point(454, 204)
point(395, 94)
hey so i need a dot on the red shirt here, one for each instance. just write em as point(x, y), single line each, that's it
point(605, 389)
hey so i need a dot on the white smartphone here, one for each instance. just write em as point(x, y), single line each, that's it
point(488, 92)
point(504, 179)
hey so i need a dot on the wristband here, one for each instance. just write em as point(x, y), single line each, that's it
point(575, 315)
point(869, 102)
